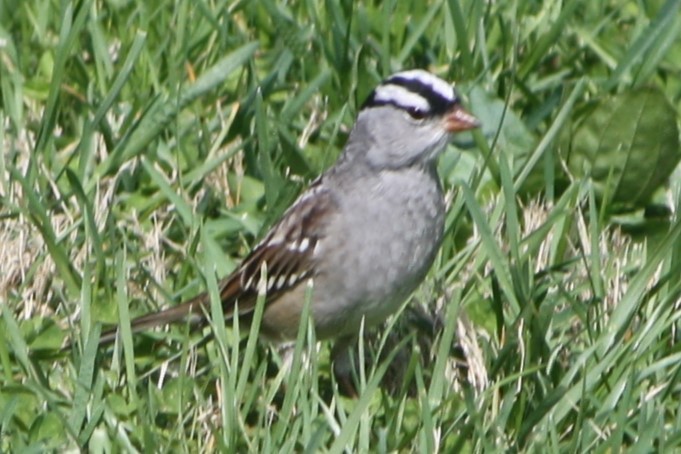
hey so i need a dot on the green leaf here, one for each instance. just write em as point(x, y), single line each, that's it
point(628, 145)
point(503, 123)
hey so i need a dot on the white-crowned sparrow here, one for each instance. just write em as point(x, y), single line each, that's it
point(363, 235)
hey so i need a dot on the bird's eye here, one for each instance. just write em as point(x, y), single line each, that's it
point(416, 113)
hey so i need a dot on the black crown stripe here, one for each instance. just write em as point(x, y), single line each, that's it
point(438, 104)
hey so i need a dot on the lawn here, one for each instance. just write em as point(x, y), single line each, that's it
point(147, 146)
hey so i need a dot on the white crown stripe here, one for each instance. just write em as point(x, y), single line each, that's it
point(396, 94)
point(438, 85)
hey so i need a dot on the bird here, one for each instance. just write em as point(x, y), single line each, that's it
point(364, 234)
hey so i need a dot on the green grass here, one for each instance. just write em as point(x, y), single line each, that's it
point(146, 146)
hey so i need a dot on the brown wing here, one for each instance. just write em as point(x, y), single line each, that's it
point(280, 261)
point(284, 257)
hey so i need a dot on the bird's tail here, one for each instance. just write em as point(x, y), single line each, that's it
point(193, 312)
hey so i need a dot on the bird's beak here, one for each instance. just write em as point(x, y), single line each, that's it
point(458, 119)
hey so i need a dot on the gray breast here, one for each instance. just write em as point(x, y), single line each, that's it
point(382, 242)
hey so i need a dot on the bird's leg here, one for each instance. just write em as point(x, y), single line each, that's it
point(344, 357)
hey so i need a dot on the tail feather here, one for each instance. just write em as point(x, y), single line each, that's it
point(193, 311)
point(238, 292)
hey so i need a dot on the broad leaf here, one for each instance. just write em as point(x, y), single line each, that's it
point(628, 145)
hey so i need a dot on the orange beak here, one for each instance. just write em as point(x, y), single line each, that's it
point(458, 119)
